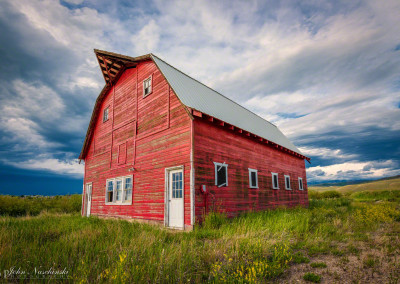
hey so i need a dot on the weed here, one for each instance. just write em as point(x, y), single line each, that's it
point(318, 265)
point(370, 261)
point(311, 277)
point(299, 257)
point(214, 220)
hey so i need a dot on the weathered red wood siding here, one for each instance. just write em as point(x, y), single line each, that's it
point(149, 134)
point(214, 143)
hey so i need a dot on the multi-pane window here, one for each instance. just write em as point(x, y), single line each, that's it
point(105, 114)
point(253, 178)
point(221, 174)
point(275, 183)
point(147, 87)
point(287, 182)
point(177, 186)
point(300, 184)
point(128, 189)
point(119, 190)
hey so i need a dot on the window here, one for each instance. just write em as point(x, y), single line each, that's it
point(105, 114)
point(253, 178)
point(300, 184)
point(119, 190)
point(275, 184)
point(287, 182)
point(128, 189)
point(147, 87)
point(177, 186)
point(221, 174)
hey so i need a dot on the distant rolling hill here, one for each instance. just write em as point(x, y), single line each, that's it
point(378, 185)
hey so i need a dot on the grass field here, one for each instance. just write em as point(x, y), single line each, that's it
point(350, 238)
point(380, 185)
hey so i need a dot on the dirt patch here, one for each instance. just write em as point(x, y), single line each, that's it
point(374, 261)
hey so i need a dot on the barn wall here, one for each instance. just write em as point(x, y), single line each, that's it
point(213, 143)
point(149, 134)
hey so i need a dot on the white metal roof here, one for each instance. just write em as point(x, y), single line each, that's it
point(198, 96)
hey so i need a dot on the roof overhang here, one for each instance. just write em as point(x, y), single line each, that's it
point(113, 64)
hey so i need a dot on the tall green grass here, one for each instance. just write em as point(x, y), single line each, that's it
point(255, 247)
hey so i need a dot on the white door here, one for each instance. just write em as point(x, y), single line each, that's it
point(88, 198)
point(175, 199)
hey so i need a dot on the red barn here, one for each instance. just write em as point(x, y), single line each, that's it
point(162, 147)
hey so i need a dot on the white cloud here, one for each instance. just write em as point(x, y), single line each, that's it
point(147, 39)
point(353, 170)
point(69, 167)
point(327, 153)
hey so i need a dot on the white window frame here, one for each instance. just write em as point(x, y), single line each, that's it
point(106, 110)
point(277, 180)
point(216, 173)
point(301, 184)
point(150, 80)
point(250, 184)
point(286, 185)
point(123, 189)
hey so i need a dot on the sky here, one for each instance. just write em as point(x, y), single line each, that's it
point(327, 73)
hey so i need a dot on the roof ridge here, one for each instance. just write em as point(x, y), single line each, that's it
point(151, 54)
point(126, 57)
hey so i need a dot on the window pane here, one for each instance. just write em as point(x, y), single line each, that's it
point(128, 183)
point(253, 179)
point(110, 186)
point(275, 180)
point(221, 175)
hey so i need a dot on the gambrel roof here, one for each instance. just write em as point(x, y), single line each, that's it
point(192, 94)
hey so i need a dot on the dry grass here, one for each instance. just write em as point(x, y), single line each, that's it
point(381, 185)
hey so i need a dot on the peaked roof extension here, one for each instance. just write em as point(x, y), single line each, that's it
point(192, 94)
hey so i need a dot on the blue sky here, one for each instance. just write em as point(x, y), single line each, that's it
point(326, 72)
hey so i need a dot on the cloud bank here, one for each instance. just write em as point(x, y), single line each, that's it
point(326, 73)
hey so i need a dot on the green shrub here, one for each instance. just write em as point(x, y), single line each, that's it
point(324, 195)
point(298, 257)
point(312, 277)
point(33, 205)
point(331, 194)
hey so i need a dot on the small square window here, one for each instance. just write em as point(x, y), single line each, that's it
point(147, 87)
point(253, 178)
point(287, 182)
point(105, 114)
point(275, 184)
point(301, 184)
point(221, 174)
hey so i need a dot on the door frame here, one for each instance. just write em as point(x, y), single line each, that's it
point(86, 198)
point(166, 195)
